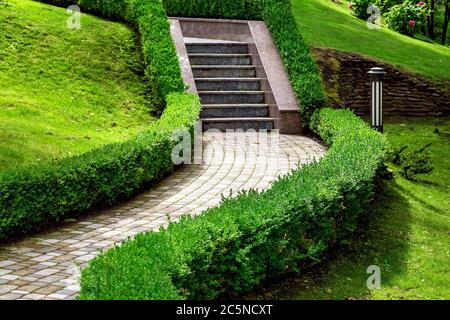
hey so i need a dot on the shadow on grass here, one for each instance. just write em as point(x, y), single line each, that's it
point(382, 240)
point(423, 203)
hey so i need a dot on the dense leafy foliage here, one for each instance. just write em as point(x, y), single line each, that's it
point(258, 235)
point(413, 162)
point(359, 8)
point(226, 9)
point(277, 14)
point(385, 5)
point(60, 3)
point(408, 17)
point(294, 51)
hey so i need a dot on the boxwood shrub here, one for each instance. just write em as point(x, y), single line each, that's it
point(31, 198)
point(248, 239)
point(225, 9)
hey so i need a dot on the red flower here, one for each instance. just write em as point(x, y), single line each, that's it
point(412, 23)
point(350, 6)
point(421, 3)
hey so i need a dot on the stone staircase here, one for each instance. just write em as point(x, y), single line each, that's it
point(229, 89)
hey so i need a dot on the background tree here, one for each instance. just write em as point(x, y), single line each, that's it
point(430, 19)
point(446, 21)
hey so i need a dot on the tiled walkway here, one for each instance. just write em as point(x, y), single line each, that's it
point(47, 266)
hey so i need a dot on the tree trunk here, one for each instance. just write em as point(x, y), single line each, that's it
point(430, 20)
point(446, 21)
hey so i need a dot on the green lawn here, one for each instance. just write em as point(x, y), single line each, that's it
point(65, 91)
point(327, 24)
point(407, 233)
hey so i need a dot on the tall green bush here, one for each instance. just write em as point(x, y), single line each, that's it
point(408, 17)
point(385, 5)
point(60, 3)
point(225, 9)
point(359, 8)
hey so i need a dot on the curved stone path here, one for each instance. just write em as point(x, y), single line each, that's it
point(47, 266)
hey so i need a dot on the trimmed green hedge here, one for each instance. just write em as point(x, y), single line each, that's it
point(32, 198)
point(294, 51)
point(160, 57)
point(258, 235)
point(225, 9)
point(60, 3)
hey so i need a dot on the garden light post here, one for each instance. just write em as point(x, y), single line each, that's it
point(377, 97)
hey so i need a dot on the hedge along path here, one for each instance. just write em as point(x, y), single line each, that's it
point(47, 266)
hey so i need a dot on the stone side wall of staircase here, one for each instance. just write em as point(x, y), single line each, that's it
point(348, 85)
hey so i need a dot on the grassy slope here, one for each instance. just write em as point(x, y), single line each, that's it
point(65, 91)
point(327, 24)
point(406, 235)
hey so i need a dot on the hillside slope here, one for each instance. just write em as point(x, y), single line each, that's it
point(64, 91)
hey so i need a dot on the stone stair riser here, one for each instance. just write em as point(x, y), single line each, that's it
point(234, 48)
point(238, 125)
point(235, 85)
point(220, 61)
point(234, 112)
point(206, 72)
point(231, 98)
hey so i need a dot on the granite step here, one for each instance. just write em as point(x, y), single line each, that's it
point(231, 97)
point(202, 71)
point(228, 84)
point(224, 124)
point(234, 110)
point(220, 59)
point(223, 48)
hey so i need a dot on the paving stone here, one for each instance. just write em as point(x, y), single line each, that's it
point(34, 296)
point(7, 288)
point(29, 278)
point(48, 290)
point(4, 271)
point(46, 272)
point(28, 288)
point(9, 277)
point(18, 282)
point(11, 296)
point(6, 263)
point(57, 296)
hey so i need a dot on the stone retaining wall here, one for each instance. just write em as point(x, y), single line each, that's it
point(348, 84)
